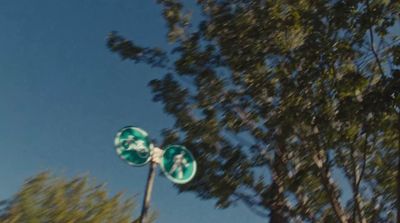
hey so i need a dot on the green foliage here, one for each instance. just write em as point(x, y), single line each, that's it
point(284, 103)
point(45, 198)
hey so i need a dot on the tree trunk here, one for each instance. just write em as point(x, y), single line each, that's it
point(398, 171)
point(277, 216)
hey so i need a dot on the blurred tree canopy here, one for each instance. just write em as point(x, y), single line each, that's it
point(45, 198)
point(290, 106)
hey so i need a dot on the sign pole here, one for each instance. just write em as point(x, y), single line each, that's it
point(147, 193)
point(133, 145)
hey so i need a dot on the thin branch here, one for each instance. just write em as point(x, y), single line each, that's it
point(364, 159)
point(371, 37)
point(250, 203)
point(356, 210)
point(357, 176)
point(361, 176)
point(398, 171)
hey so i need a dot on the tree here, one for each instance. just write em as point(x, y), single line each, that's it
point(45, 198)
point(291, 107)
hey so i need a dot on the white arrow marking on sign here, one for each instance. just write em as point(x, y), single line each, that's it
point(179, 163)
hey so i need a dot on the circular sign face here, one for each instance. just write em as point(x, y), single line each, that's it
point(133, 145)
point(178, 164)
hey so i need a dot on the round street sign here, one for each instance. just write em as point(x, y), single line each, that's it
point(133, 145)
point(178, 164)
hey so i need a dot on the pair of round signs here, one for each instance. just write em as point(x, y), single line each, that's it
point(133, 145)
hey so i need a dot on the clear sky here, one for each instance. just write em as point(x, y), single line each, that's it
point(64, 95)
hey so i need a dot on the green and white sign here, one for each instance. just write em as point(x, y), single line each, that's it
point(133, 145)
point(178, 164)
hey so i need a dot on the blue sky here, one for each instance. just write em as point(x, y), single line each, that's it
point(64, 95)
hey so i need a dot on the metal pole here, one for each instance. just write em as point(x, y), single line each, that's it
point(147, 193)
